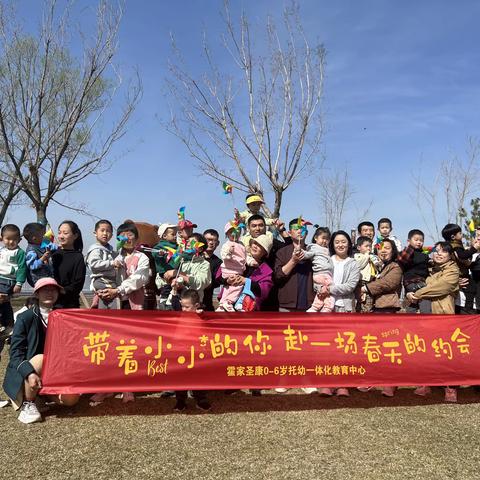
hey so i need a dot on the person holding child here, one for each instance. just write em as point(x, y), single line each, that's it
point(441, 288)
point(293, 273)
point(452, 233)
point(346, 276)
point(387, 286)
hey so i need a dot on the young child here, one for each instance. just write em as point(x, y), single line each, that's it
point(415, 262)
point(167, 233)
point(13, 273)
point(190, 302)
point(254, 203)
point(369, 265)
point(136, 271)
point(184, 227)
point(37, 257)
point(452, 233)
point(385, 231)
point(234, 256)
point(322, 269)
point(103, 263)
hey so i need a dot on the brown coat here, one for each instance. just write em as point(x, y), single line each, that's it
point(287, 285)
point(441, 288)
point(387, 287)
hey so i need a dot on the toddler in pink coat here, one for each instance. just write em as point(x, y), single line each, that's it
point(234, 256)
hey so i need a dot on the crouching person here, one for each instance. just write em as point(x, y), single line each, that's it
point(22, 378)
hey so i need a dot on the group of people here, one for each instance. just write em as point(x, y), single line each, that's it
point(264, 265)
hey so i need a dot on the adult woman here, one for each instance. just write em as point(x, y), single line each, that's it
point(441, 289)
point(258, 277)
point(346, 275)
point(69, 265)
point(22, 378)
point(387, 286)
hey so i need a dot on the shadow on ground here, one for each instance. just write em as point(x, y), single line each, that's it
point(270, 401)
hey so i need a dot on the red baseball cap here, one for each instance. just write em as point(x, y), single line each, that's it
point(186, 224)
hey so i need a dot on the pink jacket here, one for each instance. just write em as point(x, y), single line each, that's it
point(234, 256)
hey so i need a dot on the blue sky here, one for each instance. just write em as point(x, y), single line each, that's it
point(402, 86)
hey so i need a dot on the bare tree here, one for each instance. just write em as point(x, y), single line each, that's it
point(263, 123)
point(9, 189)
point(335, 191)
point(442, 197)
point(53, 104)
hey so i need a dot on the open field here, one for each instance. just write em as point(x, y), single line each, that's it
point(292, 436)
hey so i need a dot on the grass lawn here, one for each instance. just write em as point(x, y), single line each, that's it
point(291, 436)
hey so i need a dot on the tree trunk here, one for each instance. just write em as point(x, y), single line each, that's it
point(3, 211)
point(278, 203)
point(41, 214)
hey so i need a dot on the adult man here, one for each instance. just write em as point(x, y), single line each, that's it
point(257, 227)
point(366, 229)
point(212, 238)
point(293, 274)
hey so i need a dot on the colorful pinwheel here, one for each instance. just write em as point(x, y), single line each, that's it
point(302, 225)
point(181, 214)
point(227, 188)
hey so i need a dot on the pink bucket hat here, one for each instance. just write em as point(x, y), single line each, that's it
point(46, 282)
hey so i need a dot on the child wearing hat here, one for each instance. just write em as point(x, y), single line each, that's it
point(234, 256)
point(254, 203)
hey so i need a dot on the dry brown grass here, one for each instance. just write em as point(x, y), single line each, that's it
point(292, 436)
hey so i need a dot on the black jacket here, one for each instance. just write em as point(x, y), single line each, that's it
point(28, 340)
point(69, 271)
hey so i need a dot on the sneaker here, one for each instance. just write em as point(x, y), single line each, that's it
point(167, 394)
point(128, 397)
point(4, 403)
point(422, 391)
point(180, 406)
point(203, 404)
point(388, 391)
point(342, 392)
point(309, 390)
point(281, 390)
point(29, 413)
point(450, 395)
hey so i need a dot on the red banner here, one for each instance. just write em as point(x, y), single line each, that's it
point(90, 351)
